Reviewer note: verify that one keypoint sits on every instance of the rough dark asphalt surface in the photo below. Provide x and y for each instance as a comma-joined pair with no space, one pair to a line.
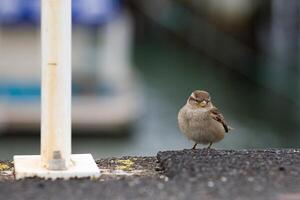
200,174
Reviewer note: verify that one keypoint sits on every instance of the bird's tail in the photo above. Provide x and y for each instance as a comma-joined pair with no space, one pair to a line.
230,128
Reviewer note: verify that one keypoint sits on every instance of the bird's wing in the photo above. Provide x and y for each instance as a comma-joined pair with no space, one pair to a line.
216,115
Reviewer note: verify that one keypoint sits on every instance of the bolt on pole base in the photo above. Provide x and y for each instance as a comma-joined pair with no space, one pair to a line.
30,166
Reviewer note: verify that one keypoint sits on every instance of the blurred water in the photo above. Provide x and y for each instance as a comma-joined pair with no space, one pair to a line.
168,74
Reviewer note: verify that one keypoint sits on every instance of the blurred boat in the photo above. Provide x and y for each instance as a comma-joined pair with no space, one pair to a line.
104,97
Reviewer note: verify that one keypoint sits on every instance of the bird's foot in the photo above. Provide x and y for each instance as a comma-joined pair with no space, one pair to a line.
208,149
194,147
209,146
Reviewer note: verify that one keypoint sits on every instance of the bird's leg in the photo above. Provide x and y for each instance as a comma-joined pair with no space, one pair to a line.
194,147
208,148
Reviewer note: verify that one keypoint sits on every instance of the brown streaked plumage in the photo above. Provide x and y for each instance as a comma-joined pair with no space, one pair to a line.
219,117
200,121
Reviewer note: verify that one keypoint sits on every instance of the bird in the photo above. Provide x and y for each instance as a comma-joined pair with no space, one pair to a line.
200,121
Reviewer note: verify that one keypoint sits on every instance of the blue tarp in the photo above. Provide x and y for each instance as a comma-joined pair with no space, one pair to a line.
85,12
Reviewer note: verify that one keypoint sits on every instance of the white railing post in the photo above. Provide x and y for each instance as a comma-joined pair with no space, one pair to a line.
56,84
56,160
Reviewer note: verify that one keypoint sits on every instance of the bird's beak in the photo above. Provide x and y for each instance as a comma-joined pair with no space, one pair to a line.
203,103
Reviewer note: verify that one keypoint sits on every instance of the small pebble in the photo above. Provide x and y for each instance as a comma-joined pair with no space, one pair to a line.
223,179
250,179
210,184
164,178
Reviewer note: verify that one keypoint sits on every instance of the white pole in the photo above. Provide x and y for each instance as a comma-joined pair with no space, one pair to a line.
56,160
56,84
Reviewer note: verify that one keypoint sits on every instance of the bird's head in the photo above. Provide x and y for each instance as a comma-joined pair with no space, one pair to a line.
199,99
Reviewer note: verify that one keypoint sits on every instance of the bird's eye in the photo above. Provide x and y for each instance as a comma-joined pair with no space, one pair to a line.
203,103
192,100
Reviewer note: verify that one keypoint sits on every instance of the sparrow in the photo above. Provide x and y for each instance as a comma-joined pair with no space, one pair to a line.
200,121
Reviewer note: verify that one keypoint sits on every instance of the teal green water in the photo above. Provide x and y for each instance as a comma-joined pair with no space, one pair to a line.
168,74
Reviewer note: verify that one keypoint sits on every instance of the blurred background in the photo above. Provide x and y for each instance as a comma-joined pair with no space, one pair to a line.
135,62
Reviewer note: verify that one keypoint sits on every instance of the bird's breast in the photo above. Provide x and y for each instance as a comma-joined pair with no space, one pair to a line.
199,127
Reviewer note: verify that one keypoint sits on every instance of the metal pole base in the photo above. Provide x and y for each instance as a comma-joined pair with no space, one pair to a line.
30,166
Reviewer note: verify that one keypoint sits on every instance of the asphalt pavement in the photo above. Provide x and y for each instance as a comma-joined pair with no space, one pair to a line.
175,175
